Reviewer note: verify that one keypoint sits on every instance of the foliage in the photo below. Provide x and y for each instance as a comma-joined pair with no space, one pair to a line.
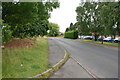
28,19
100,18
71,34
53,29
19,13
6,33
71,27
0,25
67,29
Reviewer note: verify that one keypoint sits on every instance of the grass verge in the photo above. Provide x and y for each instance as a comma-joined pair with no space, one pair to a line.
25,62
99,42
0,63
51,70
0,54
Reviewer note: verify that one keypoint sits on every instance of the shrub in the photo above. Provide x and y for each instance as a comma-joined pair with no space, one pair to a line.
6,34
71,34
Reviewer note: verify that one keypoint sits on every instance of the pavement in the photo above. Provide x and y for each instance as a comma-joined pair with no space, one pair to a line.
56,52
100,61
71,70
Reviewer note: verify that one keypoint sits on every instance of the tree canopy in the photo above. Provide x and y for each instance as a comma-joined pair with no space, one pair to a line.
102,18
53,29
27,18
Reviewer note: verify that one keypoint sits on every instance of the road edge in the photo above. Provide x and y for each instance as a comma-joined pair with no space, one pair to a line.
98,44
54,68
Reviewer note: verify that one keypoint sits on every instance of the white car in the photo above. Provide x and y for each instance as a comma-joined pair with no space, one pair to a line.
88,37
117,39
81,37
108,39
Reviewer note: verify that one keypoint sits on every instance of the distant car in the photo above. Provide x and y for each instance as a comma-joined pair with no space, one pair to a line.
117,39
81,37
108,39
100,38
88,37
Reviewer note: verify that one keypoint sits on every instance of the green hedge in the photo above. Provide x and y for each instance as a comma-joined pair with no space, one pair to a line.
71,34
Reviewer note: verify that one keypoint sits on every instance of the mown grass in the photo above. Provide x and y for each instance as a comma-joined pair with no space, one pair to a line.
0,63
61,36
25,62
99,42
48,74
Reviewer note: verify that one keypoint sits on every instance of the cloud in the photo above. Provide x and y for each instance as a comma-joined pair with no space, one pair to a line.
66,14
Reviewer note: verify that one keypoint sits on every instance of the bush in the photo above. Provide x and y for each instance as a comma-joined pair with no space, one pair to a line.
6,34
71,34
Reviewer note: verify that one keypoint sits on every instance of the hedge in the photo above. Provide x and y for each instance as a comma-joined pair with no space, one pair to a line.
71,34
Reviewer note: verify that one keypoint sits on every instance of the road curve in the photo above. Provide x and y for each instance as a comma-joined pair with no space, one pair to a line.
101,61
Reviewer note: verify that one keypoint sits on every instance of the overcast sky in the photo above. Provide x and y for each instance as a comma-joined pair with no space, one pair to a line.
66,14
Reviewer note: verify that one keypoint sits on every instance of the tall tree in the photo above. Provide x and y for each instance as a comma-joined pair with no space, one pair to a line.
53,29
28,18
16,14
67,29
98,17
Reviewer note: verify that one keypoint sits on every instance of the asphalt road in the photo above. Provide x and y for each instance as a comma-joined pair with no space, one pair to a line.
100,61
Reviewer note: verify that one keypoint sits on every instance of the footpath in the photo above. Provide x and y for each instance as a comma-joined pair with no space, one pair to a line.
56,53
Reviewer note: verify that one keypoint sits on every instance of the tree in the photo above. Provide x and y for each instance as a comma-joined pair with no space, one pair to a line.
100,18
109,19
17,14
28,19
67,29
53,29
83,28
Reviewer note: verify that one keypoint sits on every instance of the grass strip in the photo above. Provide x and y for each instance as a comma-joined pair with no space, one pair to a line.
99,42
50,71
25,62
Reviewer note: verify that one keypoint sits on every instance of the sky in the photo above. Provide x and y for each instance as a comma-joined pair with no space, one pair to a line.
65,14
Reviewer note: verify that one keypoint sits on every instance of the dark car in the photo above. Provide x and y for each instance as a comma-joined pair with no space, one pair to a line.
100,38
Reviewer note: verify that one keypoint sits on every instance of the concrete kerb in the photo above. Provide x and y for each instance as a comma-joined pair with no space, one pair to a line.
54,68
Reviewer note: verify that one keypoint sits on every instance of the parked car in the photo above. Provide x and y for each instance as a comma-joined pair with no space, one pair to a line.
100,38
81,37
108,39
117,39
88,37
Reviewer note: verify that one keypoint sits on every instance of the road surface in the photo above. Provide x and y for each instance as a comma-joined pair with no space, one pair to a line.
100,61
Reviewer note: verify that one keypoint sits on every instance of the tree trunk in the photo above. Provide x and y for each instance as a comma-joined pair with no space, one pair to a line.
95,37
102,39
